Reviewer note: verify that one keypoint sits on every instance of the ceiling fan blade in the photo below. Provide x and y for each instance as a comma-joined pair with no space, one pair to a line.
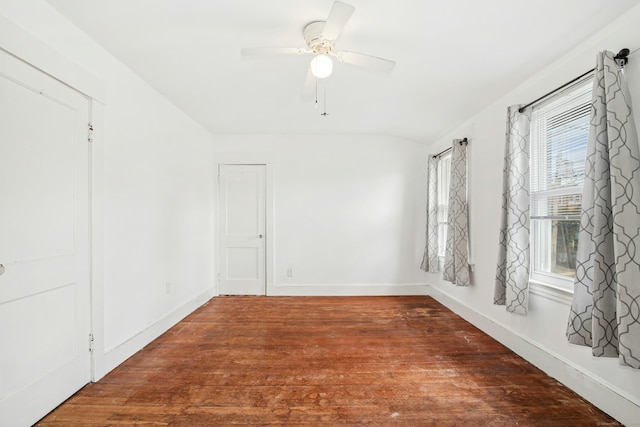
338,17
366,61
258,52
309,88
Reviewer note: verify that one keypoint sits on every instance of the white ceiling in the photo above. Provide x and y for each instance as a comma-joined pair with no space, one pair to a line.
453,57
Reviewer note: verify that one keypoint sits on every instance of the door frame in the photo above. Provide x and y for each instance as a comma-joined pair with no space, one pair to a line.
37,54
266,160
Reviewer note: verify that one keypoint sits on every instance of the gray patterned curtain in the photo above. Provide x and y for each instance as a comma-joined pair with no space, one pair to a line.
430,258
456,265
605,313
512,275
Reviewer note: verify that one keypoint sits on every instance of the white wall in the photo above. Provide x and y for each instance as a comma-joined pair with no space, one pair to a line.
344,211
156,174
544,327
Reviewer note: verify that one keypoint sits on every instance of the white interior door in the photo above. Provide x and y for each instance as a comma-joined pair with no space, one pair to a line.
44,243
242,229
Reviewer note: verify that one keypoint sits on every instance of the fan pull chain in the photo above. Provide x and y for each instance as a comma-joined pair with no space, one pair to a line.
316,106
325,114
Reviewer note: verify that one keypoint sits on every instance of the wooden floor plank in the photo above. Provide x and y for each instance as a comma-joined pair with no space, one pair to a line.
325,361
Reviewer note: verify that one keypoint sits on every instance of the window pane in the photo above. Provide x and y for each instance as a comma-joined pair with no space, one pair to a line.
443,213
566,142
442,238
558,149
444,171
560,238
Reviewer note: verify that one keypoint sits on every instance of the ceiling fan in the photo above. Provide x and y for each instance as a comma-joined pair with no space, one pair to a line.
320,37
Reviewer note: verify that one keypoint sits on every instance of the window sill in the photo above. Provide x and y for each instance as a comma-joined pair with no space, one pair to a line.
551,292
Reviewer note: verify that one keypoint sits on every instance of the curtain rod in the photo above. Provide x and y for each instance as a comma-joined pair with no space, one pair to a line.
622,56
462,141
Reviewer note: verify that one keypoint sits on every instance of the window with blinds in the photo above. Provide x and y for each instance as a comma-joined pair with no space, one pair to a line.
559,134
444,173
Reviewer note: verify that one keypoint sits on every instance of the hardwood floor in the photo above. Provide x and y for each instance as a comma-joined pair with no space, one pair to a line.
326,361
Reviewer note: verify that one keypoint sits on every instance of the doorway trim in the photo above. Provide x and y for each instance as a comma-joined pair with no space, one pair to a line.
266,159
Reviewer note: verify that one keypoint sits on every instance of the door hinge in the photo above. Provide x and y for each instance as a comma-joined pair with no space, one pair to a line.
218,278
90,134
91,340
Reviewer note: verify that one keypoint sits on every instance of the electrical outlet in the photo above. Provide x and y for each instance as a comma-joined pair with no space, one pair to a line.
290,272
168,287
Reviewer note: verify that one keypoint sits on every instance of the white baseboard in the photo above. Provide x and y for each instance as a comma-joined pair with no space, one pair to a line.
119,354
605,397
359,289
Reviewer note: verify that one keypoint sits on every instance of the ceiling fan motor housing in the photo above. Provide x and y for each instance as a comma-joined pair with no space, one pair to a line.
313,36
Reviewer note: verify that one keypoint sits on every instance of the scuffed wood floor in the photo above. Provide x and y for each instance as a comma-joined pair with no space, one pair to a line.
326,361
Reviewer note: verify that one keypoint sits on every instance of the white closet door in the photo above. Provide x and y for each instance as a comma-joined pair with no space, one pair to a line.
44,243
242,229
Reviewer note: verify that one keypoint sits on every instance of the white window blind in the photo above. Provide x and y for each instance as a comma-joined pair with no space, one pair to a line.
559,134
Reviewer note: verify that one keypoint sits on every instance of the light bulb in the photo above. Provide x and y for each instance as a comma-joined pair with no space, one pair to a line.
321,66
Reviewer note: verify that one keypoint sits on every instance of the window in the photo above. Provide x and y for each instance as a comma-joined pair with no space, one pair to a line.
444,172
559,134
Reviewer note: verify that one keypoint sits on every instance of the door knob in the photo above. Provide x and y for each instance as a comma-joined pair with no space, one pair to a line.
1,269
260,236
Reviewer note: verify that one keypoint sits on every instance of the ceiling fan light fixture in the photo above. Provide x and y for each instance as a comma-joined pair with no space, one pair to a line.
321,66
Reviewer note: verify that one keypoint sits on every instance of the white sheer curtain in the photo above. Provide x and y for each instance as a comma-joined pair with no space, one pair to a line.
456,264
605,313
430,257
512,275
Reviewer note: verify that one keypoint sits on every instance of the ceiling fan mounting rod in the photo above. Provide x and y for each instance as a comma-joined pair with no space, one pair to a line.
313,36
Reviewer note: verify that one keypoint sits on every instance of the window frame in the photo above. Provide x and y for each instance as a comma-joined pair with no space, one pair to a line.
443,166
549,284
